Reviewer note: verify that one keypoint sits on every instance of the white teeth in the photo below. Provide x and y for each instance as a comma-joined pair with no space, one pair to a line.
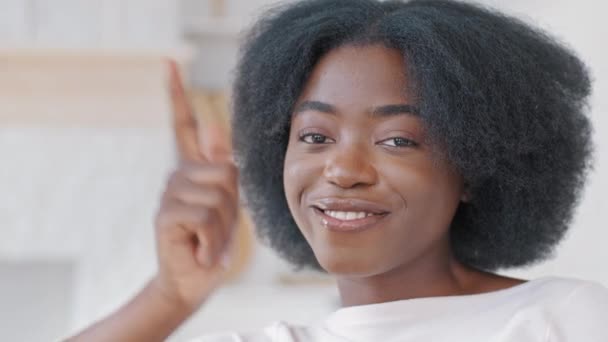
347,215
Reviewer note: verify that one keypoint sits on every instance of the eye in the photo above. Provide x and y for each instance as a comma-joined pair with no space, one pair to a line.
398,142
315,138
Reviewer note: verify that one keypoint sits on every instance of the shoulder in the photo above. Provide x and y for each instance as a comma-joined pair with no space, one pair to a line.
276,332
587,299
579,311
570,294
568,291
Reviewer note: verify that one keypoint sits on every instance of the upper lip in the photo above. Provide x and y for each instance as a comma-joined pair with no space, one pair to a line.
350,204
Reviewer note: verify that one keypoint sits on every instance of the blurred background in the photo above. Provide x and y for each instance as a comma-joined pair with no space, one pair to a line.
85,144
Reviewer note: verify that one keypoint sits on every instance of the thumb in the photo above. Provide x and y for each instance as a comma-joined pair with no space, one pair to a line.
216,143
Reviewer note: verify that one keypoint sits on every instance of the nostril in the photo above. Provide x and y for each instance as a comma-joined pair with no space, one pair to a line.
348,172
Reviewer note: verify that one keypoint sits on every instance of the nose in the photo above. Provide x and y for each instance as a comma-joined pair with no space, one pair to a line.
350,167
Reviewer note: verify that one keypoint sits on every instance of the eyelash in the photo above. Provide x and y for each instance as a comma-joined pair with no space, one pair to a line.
405,142
312,135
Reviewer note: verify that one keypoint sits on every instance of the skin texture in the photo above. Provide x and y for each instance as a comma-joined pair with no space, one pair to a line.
343,151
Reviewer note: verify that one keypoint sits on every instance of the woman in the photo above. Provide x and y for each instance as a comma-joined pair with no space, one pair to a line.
408,149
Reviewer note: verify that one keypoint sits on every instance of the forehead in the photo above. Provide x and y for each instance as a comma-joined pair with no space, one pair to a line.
358,75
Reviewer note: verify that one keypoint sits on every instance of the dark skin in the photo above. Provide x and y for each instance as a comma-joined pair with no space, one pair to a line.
355,136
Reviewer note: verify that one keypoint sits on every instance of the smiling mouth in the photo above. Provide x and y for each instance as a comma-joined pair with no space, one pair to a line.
347,215
349,221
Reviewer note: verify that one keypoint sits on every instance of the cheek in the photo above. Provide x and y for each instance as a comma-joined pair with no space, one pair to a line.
298,174
431,192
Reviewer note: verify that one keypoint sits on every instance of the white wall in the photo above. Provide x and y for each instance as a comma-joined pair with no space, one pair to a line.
48,310
89,23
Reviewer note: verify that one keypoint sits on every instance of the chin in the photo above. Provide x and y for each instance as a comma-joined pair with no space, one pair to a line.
344,266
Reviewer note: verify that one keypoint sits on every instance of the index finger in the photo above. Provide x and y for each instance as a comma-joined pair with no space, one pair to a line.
184,123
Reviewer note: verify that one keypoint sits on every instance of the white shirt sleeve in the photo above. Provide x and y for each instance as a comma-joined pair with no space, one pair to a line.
582,316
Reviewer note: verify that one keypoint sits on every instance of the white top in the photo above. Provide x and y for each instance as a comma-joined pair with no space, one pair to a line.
548,309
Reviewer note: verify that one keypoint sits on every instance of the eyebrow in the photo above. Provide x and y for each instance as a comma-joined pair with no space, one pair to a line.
381,111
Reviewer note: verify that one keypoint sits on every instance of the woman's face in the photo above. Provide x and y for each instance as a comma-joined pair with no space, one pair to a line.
360,180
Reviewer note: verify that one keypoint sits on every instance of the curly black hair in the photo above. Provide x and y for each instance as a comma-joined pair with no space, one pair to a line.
504,101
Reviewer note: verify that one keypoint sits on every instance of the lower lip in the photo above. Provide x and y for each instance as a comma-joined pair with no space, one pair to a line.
355,225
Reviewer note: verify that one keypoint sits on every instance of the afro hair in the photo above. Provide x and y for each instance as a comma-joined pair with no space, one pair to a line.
505,102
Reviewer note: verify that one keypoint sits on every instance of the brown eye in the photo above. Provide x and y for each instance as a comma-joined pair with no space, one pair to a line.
314,138
399,142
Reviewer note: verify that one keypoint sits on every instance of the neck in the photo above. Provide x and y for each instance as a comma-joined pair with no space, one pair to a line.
428,276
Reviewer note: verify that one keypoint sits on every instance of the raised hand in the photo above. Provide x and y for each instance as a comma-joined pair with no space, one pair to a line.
194,227
198,211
